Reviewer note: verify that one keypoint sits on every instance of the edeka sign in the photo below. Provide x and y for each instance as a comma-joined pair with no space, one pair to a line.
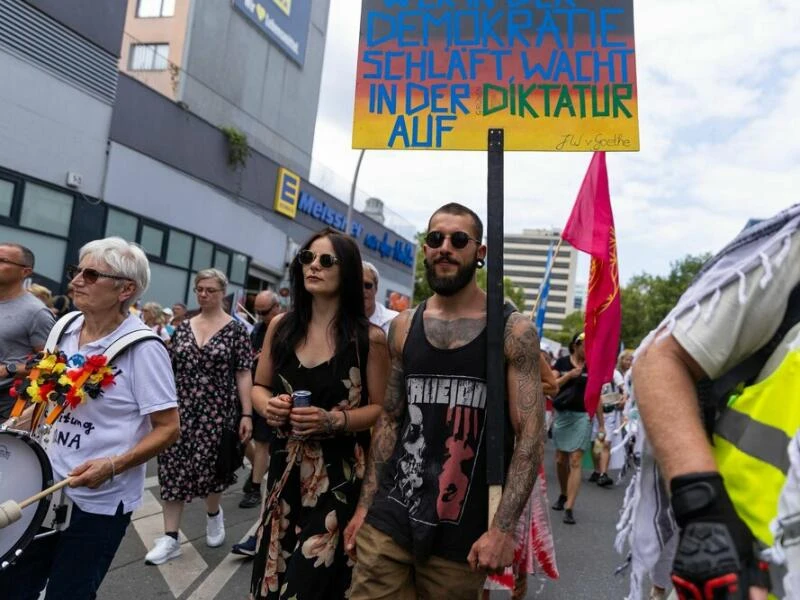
284,21
400,251
557,75
287,190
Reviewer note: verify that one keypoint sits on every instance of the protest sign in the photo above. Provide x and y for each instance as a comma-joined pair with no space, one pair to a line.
556,75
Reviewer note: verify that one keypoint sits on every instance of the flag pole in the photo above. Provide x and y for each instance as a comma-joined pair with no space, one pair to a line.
495,356
541,285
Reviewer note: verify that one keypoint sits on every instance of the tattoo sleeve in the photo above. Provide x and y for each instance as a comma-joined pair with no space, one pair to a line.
526,398
384,435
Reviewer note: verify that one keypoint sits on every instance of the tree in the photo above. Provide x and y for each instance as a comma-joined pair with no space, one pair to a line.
422,290
571,324
647,299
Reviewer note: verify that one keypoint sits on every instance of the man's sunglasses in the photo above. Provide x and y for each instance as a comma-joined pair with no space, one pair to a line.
264,313
91,275
326,261
368,285
5,261
459,239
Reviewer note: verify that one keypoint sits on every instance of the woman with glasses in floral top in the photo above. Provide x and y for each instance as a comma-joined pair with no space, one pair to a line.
325,345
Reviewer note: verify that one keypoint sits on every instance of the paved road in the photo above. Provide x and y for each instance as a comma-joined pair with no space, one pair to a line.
585,556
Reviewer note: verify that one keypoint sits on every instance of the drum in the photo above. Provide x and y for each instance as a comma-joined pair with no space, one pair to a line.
24,471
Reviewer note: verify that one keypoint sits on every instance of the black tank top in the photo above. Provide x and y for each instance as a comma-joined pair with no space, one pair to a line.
432,497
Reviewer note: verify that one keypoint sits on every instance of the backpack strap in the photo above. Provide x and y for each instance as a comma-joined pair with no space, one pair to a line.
714,394
58,330
128,340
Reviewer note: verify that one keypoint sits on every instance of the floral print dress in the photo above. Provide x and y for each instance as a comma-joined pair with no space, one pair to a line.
300,553
208,401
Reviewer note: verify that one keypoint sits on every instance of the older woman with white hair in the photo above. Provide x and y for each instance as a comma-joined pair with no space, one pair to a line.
376,312
212,359
104,442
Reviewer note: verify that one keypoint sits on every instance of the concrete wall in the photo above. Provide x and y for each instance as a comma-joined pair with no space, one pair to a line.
152,189
237,76
49,127
99,21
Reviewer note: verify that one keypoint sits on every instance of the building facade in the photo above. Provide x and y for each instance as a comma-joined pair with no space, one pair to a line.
255,65
524,262
91,152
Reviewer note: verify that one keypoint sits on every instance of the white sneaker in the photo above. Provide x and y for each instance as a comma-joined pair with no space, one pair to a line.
164,549
215,530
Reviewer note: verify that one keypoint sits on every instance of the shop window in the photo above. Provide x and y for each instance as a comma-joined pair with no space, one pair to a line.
148,9
6,197
49,251
121,224
222,261
46,210
152,240
148,57
179,249
239,268
202,255
167,285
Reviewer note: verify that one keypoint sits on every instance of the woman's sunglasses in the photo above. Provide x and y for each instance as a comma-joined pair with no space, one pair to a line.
91,275
459,239
326,261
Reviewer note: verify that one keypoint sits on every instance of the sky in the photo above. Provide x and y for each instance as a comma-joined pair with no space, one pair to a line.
718,88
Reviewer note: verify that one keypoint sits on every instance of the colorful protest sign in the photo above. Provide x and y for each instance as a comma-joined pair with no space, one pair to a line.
556,75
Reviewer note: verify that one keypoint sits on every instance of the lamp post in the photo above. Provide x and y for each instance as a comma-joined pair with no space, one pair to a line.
353,193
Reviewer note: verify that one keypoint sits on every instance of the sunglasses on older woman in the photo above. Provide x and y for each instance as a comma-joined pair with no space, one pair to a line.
326,261
92,275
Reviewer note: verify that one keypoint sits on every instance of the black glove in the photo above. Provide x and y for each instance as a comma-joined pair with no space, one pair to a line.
716,557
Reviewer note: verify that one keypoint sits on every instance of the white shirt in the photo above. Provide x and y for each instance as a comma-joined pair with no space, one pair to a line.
114,422
382,317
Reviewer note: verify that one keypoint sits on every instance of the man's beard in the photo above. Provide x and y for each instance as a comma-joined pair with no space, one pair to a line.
450,285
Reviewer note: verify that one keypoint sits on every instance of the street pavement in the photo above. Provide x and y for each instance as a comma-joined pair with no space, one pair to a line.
585,556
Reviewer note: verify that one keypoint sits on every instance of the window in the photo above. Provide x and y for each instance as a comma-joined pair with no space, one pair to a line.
167,285
46,210
202,255
6,197
221,261
121,224
152,240
49,251
155,8
148,57
239,268
179,250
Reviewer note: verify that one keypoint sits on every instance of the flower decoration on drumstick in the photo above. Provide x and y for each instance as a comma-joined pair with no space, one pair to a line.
64,381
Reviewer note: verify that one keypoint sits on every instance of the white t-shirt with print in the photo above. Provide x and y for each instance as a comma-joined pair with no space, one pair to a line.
114,422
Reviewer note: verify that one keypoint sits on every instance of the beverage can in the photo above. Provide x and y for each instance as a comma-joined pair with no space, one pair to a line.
301,399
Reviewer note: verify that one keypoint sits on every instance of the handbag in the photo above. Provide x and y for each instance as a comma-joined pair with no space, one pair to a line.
230,455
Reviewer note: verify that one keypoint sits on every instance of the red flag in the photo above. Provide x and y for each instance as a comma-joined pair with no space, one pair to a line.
590,228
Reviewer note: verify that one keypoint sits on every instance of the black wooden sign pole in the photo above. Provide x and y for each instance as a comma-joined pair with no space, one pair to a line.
495,369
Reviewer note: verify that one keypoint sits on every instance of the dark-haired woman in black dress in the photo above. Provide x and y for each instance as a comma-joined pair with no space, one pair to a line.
325,345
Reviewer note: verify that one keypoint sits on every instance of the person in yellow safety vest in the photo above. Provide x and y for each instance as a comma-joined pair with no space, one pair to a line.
738,316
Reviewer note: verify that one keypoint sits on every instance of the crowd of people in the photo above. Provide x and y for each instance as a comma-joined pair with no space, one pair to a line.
365,429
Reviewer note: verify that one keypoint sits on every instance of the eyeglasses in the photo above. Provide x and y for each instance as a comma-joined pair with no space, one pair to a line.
368,285
326,261
459,239
200,290
264,313
91,276
5,261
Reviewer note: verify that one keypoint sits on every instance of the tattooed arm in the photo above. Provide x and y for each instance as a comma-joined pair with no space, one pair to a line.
495,549
387,429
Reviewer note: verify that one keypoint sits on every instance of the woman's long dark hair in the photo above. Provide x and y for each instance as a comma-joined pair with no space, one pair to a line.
351,321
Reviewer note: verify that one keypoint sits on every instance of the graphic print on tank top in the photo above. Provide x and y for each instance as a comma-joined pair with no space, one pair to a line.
441,445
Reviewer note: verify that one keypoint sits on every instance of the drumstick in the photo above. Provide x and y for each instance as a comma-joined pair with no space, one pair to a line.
11,512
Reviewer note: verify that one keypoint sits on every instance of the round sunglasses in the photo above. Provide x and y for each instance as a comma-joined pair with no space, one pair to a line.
92,275
326,261
458,239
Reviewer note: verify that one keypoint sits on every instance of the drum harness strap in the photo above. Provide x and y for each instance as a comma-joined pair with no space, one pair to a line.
117,347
